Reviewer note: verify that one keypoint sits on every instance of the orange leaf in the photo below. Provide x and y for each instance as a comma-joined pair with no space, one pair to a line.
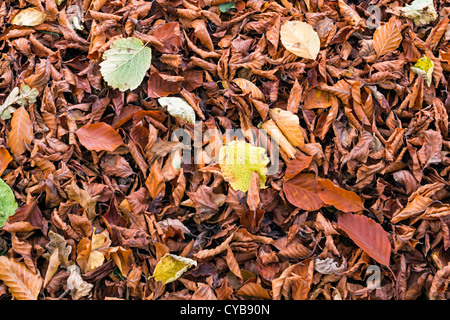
155,181
301,192
368,235
5,159
99,136
22,283
341,199
250,88
387,37
290,126
21,131
252,289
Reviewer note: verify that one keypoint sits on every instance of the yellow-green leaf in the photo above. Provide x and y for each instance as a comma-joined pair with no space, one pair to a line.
238,160
424,67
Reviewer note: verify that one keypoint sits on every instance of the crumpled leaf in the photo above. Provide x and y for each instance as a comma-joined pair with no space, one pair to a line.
8,204
179,108
422,12
300,38
125,63
171,267
23,96
329,266
58,243
83,198
77,286
238,159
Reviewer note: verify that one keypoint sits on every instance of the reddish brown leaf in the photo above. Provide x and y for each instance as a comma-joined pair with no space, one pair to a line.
368,235
99,137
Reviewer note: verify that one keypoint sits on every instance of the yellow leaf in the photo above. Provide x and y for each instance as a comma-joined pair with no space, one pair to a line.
29,17
171,267
238,160
300,38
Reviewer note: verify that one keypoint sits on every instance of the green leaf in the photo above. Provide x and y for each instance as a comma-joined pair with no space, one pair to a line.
225,7
8,205
125,63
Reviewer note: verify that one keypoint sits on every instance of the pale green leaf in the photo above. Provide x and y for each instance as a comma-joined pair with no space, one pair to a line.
8,203
227,6
179,108
422,12
125,63
23,96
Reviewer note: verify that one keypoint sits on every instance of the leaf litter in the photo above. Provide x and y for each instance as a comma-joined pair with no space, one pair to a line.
324,150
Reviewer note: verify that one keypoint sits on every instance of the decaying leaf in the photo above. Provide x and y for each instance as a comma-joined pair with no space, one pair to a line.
77,286
422,12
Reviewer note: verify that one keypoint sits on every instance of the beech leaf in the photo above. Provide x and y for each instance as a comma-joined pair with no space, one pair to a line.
238,160
171,267
300,38
368,235
8,205
99,137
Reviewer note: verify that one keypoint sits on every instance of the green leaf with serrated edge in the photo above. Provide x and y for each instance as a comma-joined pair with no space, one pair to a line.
8,205
125,63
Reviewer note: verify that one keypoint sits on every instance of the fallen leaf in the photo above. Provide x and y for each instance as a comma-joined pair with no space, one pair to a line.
29,17
99,137
300,38
22,283
125,63
171,267
368,235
